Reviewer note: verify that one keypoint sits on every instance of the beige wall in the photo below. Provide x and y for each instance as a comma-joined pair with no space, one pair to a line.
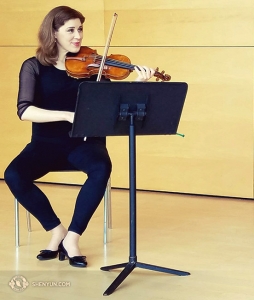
208,44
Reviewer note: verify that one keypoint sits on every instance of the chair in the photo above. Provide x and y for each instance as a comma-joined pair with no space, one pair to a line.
107,216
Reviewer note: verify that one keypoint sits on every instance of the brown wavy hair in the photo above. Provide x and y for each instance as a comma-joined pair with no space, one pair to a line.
47,51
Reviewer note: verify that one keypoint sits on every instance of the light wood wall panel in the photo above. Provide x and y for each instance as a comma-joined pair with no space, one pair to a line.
182,23
208,44
205,44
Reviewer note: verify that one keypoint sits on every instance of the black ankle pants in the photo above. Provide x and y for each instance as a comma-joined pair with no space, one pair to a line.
40,157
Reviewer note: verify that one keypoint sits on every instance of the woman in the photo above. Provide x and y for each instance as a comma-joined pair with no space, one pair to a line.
47,98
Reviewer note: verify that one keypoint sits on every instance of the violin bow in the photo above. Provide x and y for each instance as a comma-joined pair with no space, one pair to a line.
113,22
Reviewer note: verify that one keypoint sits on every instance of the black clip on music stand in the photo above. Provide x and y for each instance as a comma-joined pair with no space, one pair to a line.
103,109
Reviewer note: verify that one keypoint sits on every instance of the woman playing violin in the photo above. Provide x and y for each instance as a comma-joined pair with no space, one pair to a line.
46,97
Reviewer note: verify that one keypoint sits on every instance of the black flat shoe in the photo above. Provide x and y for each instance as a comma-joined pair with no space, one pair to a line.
47,254
75,261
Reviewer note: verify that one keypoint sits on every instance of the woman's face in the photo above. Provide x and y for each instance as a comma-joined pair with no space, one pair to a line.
69,36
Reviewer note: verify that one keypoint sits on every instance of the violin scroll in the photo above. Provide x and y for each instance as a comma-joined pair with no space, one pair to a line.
161,76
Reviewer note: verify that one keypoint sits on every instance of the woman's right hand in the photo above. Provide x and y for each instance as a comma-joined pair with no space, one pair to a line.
69,116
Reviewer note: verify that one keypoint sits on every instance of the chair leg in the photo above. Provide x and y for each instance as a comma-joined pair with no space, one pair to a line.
107,212
28,221
16,212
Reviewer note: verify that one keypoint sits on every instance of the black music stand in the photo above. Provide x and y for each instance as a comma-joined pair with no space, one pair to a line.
129,108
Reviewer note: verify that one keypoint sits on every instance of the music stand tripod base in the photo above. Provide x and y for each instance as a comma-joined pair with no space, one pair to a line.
129,267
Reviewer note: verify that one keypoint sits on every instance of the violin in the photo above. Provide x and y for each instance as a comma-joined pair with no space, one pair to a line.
87,62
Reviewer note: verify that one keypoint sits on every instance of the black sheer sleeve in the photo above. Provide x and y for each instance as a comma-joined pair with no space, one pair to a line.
27,84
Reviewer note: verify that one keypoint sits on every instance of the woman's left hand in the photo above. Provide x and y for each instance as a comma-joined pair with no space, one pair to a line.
144,73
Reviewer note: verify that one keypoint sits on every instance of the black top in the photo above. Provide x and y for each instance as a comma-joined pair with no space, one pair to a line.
49,88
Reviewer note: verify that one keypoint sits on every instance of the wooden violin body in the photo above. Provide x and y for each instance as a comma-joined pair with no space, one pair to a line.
86,63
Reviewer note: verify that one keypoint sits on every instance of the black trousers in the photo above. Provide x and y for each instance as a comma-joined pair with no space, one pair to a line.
40,157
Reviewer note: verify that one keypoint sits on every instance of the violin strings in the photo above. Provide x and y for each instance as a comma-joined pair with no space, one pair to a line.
117,63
